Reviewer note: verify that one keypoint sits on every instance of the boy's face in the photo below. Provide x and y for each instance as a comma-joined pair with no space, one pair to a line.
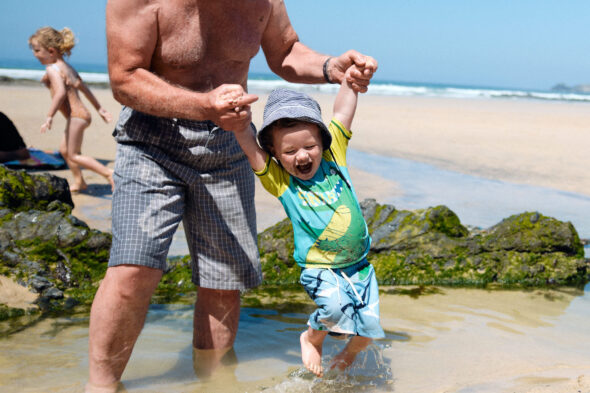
299,149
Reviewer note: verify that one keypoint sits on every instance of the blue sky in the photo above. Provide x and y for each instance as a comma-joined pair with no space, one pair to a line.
497,43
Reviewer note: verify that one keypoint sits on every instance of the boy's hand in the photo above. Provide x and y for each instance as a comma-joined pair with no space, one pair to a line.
356,74
230,107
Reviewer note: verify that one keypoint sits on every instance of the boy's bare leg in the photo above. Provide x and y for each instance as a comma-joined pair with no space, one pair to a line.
345,358
311,350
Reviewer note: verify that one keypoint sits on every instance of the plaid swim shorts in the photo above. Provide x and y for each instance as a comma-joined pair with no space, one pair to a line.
168,170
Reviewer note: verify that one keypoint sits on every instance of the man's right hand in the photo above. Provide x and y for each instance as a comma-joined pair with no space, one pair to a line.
230,107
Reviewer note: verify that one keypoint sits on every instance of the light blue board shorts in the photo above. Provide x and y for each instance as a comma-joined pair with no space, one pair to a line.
347,299
168,170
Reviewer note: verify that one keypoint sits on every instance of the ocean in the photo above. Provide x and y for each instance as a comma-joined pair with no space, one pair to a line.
259,82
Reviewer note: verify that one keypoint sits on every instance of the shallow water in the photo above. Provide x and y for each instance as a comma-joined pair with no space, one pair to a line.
438,340
476,200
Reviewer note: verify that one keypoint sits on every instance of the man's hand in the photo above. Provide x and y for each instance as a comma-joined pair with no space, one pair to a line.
360,76
230,107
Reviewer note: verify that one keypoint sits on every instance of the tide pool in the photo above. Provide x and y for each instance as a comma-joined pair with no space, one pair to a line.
517,341
478,201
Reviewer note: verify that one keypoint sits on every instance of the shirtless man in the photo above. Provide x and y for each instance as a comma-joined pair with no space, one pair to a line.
175,66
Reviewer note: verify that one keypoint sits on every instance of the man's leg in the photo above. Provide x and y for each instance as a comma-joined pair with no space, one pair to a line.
116,319
217,313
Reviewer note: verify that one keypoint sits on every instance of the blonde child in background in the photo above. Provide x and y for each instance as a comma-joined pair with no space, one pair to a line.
50,46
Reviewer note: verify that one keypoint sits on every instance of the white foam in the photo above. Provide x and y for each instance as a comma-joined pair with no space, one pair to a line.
38,74
376,88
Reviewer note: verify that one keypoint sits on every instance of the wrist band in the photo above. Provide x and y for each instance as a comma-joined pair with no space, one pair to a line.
326,75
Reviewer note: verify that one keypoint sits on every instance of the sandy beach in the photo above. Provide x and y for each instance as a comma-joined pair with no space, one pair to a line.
532,142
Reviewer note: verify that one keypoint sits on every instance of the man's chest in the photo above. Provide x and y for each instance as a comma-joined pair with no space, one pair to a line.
190,36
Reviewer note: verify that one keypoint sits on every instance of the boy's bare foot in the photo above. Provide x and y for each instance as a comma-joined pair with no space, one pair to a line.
311,355
346,357
343,360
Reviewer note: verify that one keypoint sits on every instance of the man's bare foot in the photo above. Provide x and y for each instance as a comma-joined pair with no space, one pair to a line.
114,388
311,355
207,361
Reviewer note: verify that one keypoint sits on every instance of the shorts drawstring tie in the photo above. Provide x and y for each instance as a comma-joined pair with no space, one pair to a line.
360,299
353,289
337,285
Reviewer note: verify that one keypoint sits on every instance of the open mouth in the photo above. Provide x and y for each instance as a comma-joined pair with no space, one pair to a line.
306,168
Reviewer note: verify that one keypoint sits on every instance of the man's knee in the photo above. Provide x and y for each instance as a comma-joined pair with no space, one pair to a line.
131,281
218,301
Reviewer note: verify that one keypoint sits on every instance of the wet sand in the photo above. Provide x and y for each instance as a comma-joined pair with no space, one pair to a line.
450,341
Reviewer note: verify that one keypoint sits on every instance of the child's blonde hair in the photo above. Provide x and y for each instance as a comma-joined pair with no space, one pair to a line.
63,41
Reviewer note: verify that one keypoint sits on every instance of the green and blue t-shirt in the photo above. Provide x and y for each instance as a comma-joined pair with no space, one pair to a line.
328,224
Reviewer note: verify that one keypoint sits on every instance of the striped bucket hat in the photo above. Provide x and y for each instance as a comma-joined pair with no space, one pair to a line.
289,104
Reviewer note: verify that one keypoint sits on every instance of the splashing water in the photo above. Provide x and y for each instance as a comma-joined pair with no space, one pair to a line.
370,372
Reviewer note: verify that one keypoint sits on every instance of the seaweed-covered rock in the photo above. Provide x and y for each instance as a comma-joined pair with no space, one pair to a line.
22,191
44,248
431,246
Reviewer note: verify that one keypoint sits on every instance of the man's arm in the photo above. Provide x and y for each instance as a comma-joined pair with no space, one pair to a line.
293,61
132,35
345,102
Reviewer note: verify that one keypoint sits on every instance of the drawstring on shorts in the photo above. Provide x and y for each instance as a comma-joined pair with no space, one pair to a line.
360,299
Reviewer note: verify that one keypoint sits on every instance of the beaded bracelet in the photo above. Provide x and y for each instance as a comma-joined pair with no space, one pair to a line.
326,75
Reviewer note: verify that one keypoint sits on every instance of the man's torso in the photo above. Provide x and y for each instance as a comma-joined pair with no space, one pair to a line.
203,44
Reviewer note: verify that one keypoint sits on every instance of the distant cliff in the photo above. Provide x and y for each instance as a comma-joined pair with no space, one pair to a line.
563,88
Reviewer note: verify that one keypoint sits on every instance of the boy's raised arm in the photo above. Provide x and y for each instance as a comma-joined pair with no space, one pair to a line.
345,102
256,156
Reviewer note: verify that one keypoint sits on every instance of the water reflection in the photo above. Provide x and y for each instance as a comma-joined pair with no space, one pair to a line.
476,200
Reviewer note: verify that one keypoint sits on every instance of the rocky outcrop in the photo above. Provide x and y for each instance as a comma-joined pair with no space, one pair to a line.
563,88
431,246
43,247
53,255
